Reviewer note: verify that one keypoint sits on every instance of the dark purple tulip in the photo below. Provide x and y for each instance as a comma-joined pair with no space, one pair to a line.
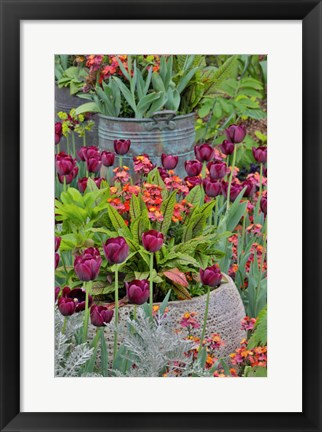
82,184
87,265
137,291
107,158
66,306
57,258
227,147
57,291
217,170
250,188
101,316
122,146
78,295
193,167
169,162
152,240
204,152
193,181
58,132
235,190
116,250
263,204
93,164
212,187
211,276
163,173
98,181
68,178
236,133
64,163
57,243
88,152
260,154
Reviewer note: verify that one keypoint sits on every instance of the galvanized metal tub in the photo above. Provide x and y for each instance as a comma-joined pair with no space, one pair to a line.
164,132
64,101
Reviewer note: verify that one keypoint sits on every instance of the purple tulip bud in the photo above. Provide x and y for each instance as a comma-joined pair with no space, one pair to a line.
211,276
212,187
152,240
87,265
217,170
163,173
250,188
101,316
137,291
64,163
193,168
116,250
260,154
122,146
68,178
263,204
82,183
236,133
66,306
88,152
57,243
235,190
78,295
57,291
193,181
227,147
58,132
108,158
57,258
204,152
93,164
169,162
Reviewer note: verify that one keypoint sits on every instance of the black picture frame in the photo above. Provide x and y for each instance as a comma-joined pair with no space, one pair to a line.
12,12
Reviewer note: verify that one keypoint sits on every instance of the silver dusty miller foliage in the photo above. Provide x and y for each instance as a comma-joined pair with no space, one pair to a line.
154,348
69,358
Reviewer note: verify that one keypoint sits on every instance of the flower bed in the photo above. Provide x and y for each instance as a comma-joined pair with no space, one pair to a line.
141,258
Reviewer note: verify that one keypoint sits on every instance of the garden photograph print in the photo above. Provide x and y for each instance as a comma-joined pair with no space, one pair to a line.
160,215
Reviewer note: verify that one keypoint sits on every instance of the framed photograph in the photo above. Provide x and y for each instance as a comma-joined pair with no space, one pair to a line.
160,261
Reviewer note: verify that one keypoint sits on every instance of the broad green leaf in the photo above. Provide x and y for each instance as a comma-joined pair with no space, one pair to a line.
117,220
87,107
167,211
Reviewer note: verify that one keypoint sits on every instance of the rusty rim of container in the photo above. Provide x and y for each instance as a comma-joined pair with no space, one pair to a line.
145,120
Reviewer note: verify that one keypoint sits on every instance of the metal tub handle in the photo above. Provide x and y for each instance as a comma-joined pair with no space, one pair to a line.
162,120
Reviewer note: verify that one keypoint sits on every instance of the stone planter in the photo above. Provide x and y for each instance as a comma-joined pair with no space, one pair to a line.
163,133
226,310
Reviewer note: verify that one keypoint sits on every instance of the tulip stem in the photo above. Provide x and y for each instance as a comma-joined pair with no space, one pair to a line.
231,176
116,312
260,181
84,139
203,172
67,143
58,148
204,321
216,211
121,161
151,283
74,145
243,232
64,186
88,287
64,326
